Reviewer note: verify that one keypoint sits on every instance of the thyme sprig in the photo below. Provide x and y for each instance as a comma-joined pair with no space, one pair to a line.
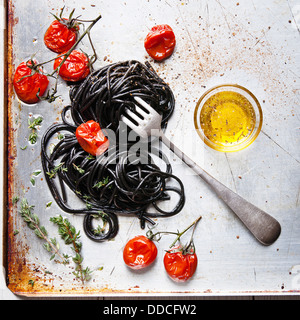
101,183
52,173
70,236
15,200
33,222
100,229
32,125
80,170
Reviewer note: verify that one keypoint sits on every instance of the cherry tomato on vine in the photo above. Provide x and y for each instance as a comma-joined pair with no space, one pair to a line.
61,35
160,42
28,82
75,68
180,266
91,138
139,252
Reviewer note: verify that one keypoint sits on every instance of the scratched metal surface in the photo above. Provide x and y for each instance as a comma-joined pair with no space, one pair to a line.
252,43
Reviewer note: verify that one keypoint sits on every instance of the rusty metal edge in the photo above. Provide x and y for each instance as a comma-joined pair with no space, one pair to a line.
5,139
7,149
9,154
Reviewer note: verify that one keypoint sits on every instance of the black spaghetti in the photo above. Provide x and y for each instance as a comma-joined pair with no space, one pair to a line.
118,182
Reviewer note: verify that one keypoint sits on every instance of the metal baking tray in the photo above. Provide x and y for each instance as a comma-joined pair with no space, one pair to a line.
251,43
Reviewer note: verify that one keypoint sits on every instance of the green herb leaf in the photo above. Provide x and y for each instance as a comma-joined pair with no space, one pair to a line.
70,236
60,136
52,173
90,157
81,171
15,200
89,206
31,282
33,126
102,183
33,223
33,137
48,204
36,122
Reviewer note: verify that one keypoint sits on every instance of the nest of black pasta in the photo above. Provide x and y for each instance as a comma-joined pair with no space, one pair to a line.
118,182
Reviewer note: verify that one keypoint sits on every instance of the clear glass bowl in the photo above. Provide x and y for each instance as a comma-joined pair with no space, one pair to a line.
228,110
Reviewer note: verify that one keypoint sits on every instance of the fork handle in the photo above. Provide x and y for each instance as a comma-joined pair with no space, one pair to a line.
265,228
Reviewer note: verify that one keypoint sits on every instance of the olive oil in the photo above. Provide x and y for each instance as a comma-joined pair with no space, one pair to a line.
227,118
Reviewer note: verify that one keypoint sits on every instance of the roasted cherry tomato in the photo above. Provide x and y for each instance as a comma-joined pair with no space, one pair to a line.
75,68
179,266
160,42
91,138
139,252
61,35
33,82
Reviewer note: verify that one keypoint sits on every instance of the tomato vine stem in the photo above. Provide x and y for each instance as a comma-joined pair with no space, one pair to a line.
66,55
194,224
157,236
35,66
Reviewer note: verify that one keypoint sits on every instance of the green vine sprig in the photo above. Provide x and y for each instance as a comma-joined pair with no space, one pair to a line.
70,236
59,168
33,222
32,125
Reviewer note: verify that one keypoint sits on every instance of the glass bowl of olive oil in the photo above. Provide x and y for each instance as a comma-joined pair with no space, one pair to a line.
228,117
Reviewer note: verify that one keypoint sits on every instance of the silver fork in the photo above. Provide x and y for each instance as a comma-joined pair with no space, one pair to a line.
265,228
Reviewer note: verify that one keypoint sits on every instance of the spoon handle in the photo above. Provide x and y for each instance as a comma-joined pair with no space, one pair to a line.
264,227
